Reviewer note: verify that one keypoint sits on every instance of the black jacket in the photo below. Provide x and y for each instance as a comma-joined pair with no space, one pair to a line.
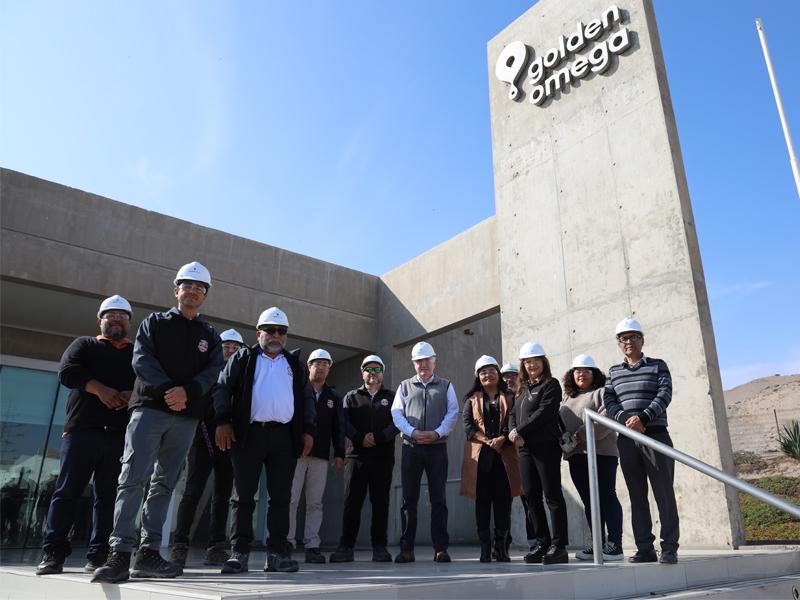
170,351
89,358
330,425
363,415
233,396
535,414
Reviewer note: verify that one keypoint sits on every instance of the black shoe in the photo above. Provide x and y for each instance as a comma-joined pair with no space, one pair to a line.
93,563
342,554
51,564
500,546
612,552
237,563
536,553
555,555
486,547
314,556
216,555
644,556
177,554
149,564
441,556
281,563
585,554
668,557
405,556
380,554
115,569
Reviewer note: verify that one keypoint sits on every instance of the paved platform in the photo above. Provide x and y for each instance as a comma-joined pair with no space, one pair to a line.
464,578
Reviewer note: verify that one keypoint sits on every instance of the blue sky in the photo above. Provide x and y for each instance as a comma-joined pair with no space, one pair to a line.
330,128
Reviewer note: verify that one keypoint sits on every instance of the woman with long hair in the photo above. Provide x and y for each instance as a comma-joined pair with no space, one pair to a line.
535,430
490,470
583,388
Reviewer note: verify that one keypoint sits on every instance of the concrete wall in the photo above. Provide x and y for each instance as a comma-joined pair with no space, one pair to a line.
596,224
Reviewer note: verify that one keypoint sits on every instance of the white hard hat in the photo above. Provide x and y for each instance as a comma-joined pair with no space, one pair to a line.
628,324
319,354
372,358
509,368
583,361
422,350
231,335
484,361
531,350
193,271
115,302
273,316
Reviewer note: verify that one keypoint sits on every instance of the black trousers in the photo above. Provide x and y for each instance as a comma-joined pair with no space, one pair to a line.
362,476
610,508
431,460
201,461
540,468
638,466
492,493
85,453
271,448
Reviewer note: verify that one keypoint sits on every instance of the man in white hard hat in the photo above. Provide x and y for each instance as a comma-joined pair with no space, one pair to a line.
266,415
311,471
510,374
637,394
176,357
369,466
205,457
98,372
425,410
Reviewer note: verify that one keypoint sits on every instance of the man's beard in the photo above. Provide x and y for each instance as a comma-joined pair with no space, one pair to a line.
268,346
113,331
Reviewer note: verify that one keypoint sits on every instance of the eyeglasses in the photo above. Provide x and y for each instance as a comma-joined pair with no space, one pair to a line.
633,337
275,330
113,315
372,369
486,372
193,287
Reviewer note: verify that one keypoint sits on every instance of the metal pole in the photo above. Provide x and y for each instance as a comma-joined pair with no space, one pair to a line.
784,123
594,495
697,465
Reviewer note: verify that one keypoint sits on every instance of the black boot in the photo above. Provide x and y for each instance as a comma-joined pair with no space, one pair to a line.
486,545
501,546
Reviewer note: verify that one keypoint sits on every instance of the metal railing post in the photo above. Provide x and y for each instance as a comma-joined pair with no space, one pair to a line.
594,495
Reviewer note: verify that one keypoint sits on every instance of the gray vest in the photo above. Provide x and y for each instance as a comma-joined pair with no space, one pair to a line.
426,405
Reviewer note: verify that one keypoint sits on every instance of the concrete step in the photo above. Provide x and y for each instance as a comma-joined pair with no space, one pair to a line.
464,578
786,587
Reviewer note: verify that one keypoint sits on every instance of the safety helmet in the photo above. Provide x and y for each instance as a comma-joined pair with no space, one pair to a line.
583,361
193,271
484,361
509,368
273,316
115,302
372,358
422,350
319,354
628,324
531,350
231,335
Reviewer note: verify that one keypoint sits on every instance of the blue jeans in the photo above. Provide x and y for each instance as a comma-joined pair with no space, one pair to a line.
156,444
85,452
610,508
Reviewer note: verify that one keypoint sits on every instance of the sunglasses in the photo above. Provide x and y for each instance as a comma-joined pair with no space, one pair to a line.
274,330
373,369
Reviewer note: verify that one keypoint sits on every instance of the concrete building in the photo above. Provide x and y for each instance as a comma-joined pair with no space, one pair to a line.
589,181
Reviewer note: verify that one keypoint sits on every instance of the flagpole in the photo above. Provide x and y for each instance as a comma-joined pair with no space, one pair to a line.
784,123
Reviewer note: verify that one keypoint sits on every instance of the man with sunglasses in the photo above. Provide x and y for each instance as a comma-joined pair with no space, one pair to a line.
370,462
98,372
177,357
266,416
637,394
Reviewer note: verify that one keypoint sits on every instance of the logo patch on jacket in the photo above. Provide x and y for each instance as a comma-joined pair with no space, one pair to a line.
202,345
330,403
385,402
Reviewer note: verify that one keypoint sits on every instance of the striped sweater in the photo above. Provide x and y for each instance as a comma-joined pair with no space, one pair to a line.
643,389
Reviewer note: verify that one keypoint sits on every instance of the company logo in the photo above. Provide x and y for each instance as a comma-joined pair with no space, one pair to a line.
330,403
551,71
202,345
384,402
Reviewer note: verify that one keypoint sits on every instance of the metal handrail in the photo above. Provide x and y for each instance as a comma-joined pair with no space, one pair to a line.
690,461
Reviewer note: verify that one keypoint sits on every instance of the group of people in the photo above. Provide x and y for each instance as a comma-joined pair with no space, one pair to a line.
181,394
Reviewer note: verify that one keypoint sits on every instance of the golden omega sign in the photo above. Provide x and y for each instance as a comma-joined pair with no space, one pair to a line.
568,61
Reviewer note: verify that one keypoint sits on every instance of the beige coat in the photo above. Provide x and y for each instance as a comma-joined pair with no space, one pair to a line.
472,449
